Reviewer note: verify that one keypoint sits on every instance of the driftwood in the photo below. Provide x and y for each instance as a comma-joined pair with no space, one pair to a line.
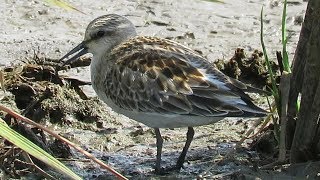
306,80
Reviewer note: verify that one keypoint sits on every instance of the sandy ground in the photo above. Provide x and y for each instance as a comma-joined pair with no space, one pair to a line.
218,28
215,29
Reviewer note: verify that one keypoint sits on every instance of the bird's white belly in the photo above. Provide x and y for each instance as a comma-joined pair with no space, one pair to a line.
157,120
169,121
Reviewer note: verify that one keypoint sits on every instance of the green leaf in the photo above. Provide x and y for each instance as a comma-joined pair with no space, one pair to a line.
25,144
285,58
215,1
271,73
63,5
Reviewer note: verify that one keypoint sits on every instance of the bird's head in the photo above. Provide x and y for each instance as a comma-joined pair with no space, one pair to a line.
102,34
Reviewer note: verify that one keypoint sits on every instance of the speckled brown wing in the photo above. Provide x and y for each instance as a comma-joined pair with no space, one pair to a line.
158,75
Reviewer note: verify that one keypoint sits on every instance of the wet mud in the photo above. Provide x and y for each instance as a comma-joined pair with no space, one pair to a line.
227,34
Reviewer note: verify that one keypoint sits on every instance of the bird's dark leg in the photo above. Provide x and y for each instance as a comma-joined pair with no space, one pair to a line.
183,154
159,150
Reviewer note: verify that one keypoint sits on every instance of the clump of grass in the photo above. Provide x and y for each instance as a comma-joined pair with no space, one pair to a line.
285,60
280,93
274,89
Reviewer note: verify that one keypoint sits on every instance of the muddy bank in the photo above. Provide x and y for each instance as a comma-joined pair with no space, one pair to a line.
213,29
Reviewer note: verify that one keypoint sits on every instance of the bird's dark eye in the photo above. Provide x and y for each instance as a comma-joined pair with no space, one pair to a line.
100,33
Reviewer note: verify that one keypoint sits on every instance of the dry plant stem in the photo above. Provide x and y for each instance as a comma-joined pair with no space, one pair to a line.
284,94
272,165
69,159
7,153
232,151
28,121
41,97
224,175
266,121
294,167
251,131
29,160
279,58
2,80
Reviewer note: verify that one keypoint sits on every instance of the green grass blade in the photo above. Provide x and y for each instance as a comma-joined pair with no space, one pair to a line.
215,1
25,144
273,81
285,58
63,4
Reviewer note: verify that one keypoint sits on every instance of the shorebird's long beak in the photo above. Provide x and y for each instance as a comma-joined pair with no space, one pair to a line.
80,50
